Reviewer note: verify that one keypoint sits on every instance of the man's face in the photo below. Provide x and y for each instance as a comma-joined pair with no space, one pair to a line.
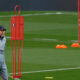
2,33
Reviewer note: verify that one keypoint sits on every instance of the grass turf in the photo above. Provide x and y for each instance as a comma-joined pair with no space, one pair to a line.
42,54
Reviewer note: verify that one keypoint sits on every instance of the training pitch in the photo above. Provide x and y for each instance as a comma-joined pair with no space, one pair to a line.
43,30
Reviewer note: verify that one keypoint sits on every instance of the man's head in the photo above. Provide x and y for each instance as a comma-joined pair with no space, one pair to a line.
2,31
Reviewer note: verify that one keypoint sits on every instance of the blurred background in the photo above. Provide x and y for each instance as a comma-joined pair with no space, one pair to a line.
30,5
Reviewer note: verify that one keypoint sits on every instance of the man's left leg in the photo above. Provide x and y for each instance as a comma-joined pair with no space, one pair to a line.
4,74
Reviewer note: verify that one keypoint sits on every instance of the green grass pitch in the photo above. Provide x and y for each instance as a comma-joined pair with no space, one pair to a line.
41,35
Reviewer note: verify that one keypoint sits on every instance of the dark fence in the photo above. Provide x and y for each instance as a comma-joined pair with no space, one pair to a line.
28,5
68,5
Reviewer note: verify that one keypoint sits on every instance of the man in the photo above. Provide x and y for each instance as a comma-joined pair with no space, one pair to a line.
3,68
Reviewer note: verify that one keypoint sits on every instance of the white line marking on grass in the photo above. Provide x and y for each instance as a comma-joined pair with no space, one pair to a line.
10,76
47,39
40,71
49,13
46,13
36,14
